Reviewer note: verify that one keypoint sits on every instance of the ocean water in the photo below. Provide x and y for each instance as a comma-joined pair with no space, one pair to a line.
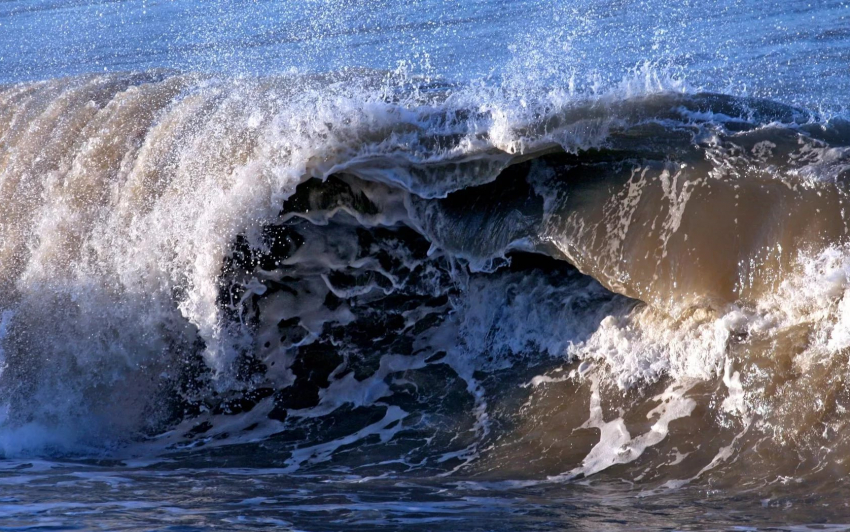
427,265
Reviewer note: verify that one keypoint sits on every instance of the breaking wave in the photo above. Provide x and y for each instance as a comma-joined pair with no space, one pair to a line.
348,274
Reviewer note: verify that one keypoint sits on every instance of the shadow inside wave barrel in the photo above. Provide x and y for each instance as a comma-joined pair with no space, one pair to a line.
372,352
369,350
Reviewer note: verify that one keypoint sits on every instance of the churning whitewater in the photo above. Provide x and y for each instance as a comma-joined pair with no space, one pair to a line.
192,262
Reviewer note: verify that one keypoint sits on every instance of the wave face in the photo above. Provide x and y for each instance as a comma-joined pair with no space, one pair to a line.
342,277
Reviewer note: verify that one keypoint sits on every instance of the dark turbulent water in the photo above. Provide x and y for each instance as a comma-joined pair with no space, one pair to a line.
429,266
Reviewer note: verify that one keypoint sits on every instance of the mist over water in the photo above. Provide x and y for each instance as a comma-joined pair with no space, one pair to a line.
373,265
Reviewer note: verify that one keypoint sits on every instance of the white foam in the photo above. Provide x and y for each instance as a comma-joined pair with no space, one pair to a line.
616,445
